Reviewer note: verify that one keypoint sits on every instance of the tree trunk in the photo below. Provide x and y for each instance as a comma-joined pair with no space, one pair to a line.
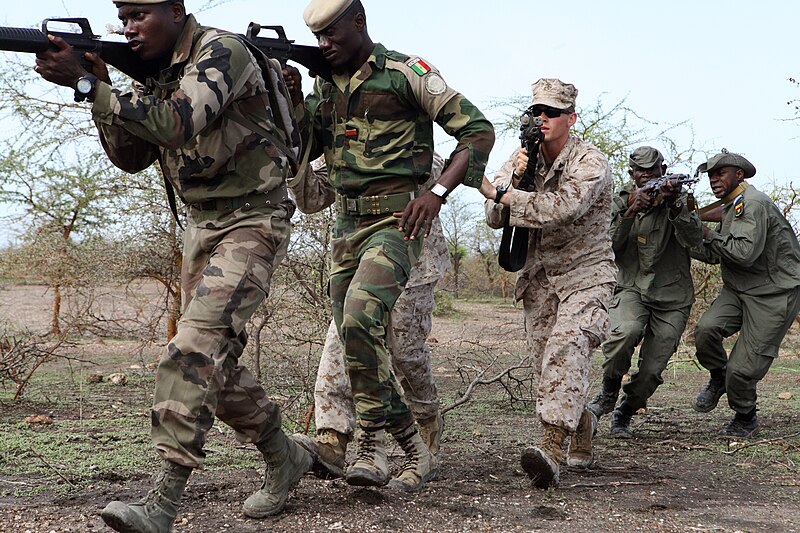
56,310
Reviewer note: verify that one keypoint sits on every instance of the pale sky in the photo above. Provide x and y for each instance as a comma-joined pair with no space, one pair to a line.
720,65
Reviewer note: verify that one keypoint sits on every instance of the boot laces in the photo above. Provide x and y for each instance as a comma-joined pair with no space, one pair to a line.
367,445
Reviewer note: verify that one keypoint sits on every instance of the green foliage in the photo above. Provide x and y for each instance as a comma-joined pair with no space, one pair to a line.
444,305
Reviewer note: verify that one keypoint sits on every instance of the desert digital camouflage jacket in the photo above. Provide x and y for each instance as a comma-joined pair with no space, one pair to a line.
650,258
570,213
754,244
185,119
376,128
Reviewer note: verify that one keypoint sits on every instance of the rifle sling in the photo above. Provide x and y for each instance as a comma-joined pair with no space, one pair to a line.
728,197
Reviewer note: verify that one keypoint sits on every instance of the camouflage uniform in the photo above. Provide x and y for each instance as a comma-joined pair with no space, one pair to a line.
376,132
569,275
410,320
652,300
759,257
233,181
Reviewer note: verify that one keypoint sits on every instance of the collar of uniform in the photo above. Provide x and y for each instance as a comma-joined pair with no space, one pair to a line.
561,159
378,56
183,47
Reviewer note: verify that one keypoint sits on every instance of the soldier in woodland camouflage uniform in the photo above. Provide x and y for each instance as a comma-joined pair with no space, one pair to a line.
569,275
759,258
232,175
653,297
374,124
410,326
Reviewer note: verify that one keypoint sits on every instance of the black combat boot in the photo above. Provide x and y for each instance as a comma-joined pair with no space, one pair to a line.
621,422
741,426
606,399
708,398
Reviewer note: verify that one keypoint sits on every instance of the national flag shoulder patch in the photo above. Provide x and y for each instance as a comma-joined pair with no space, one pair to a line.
419,66
738,206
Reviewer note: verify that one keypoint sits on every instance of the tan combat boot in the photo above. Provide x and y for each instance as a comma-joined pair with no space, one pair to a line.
419,465
370,468
157,511
542,462
329,448
430,429
579,453
286,461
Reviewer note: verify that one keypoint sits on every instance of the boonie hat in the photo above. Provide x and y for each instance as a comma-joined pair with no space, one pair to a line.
728,159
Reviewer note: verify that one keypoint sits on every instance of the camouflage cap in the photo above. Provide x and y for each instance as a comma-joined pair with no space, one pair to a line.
118,2
728,159
320,14
554,93
645,157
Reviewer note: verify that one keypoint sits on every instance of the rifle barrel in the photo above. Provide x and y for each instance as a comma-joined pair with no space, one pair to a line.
25,40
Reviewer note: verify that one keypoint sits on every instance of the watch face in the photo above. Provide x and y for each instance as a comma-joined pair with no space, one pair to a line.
84,86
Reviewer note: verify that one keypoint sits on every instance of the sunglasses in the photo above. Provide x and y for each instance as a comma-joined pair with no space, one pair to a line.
549,112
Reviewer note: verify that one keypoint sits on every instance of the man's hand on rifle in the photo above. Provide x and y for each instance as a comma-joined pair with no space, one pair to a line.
520,163
62,67
294,82
639,200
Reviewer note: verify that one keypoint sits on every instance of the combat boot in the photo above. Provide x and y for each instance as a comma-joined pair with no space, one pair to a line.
741,426
329,448
541,463
430,429
157,511
370,468
580,453
708,398
286,461
606,399
419,465
621,422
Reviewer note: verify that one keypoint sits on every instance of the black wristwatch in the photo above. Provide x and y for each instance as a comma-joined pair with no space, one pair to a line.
85,87
500,190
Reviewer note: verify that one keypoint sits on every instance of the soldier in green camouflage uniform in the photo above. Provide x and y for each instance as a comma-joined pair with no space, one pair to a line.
653,297
231,172
374,124
759,257
334,412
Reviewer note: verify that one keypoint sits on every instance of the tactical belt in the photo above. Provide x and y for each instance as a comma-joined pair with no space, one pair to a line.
271,198
373,205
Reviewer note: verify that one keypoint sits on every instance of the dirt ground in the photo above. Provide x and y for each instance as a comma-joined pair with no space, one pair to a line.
674,476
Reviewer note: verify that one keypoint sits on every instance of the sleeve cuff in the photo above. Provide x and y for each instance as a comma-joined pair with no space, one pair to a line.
104,103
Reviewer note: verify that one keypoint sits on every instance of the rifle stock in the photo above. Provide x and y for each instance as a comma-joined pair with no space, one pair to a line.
120,56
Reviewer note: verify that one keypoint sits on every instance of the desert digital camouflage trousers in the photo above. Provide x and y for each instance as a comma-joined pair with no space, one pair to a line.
411,360
225,276
371,266
561,337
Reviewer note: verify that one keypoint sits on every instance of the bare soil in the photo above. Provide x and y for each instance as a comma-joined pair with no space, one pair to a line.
674,476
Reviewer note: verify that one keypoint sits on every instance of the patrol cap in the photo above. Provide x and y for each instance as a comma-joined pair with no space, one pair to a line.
320,14
728,159
554,93
118,2
645,157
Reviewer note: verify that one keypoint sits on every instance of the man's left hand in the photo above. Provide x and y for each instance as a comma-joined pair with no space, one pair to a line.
59,66
419,213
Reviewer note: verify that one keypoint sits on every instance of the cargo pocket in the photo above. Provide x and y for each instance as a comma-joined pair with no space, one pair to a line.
594,324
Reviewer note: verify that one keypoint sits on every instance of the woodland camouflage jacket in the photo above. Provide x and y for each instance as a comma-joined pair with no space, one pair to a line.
185,119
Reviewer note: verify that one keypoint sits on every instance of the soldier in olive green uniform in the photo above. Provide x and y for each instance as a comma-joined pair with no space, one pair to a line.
374,124
653,297
759,256
214,119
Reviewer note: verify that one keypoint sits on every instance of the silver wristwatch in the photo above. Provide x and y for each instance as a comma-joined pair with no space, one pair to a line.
440,191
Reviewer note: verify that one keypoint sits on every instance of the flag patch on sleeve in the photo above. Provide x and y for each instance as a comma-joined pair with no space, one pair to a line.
738,206
419,66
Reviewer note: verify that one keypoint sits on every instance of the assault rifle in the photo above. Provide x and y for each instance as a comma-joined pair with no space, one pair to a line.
120,55
653,186
514,242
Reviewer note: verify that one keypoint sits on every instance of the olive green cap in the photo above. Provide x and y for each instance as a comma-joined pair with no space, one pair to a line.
728,159
320,14
118,2
645,157
554,93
